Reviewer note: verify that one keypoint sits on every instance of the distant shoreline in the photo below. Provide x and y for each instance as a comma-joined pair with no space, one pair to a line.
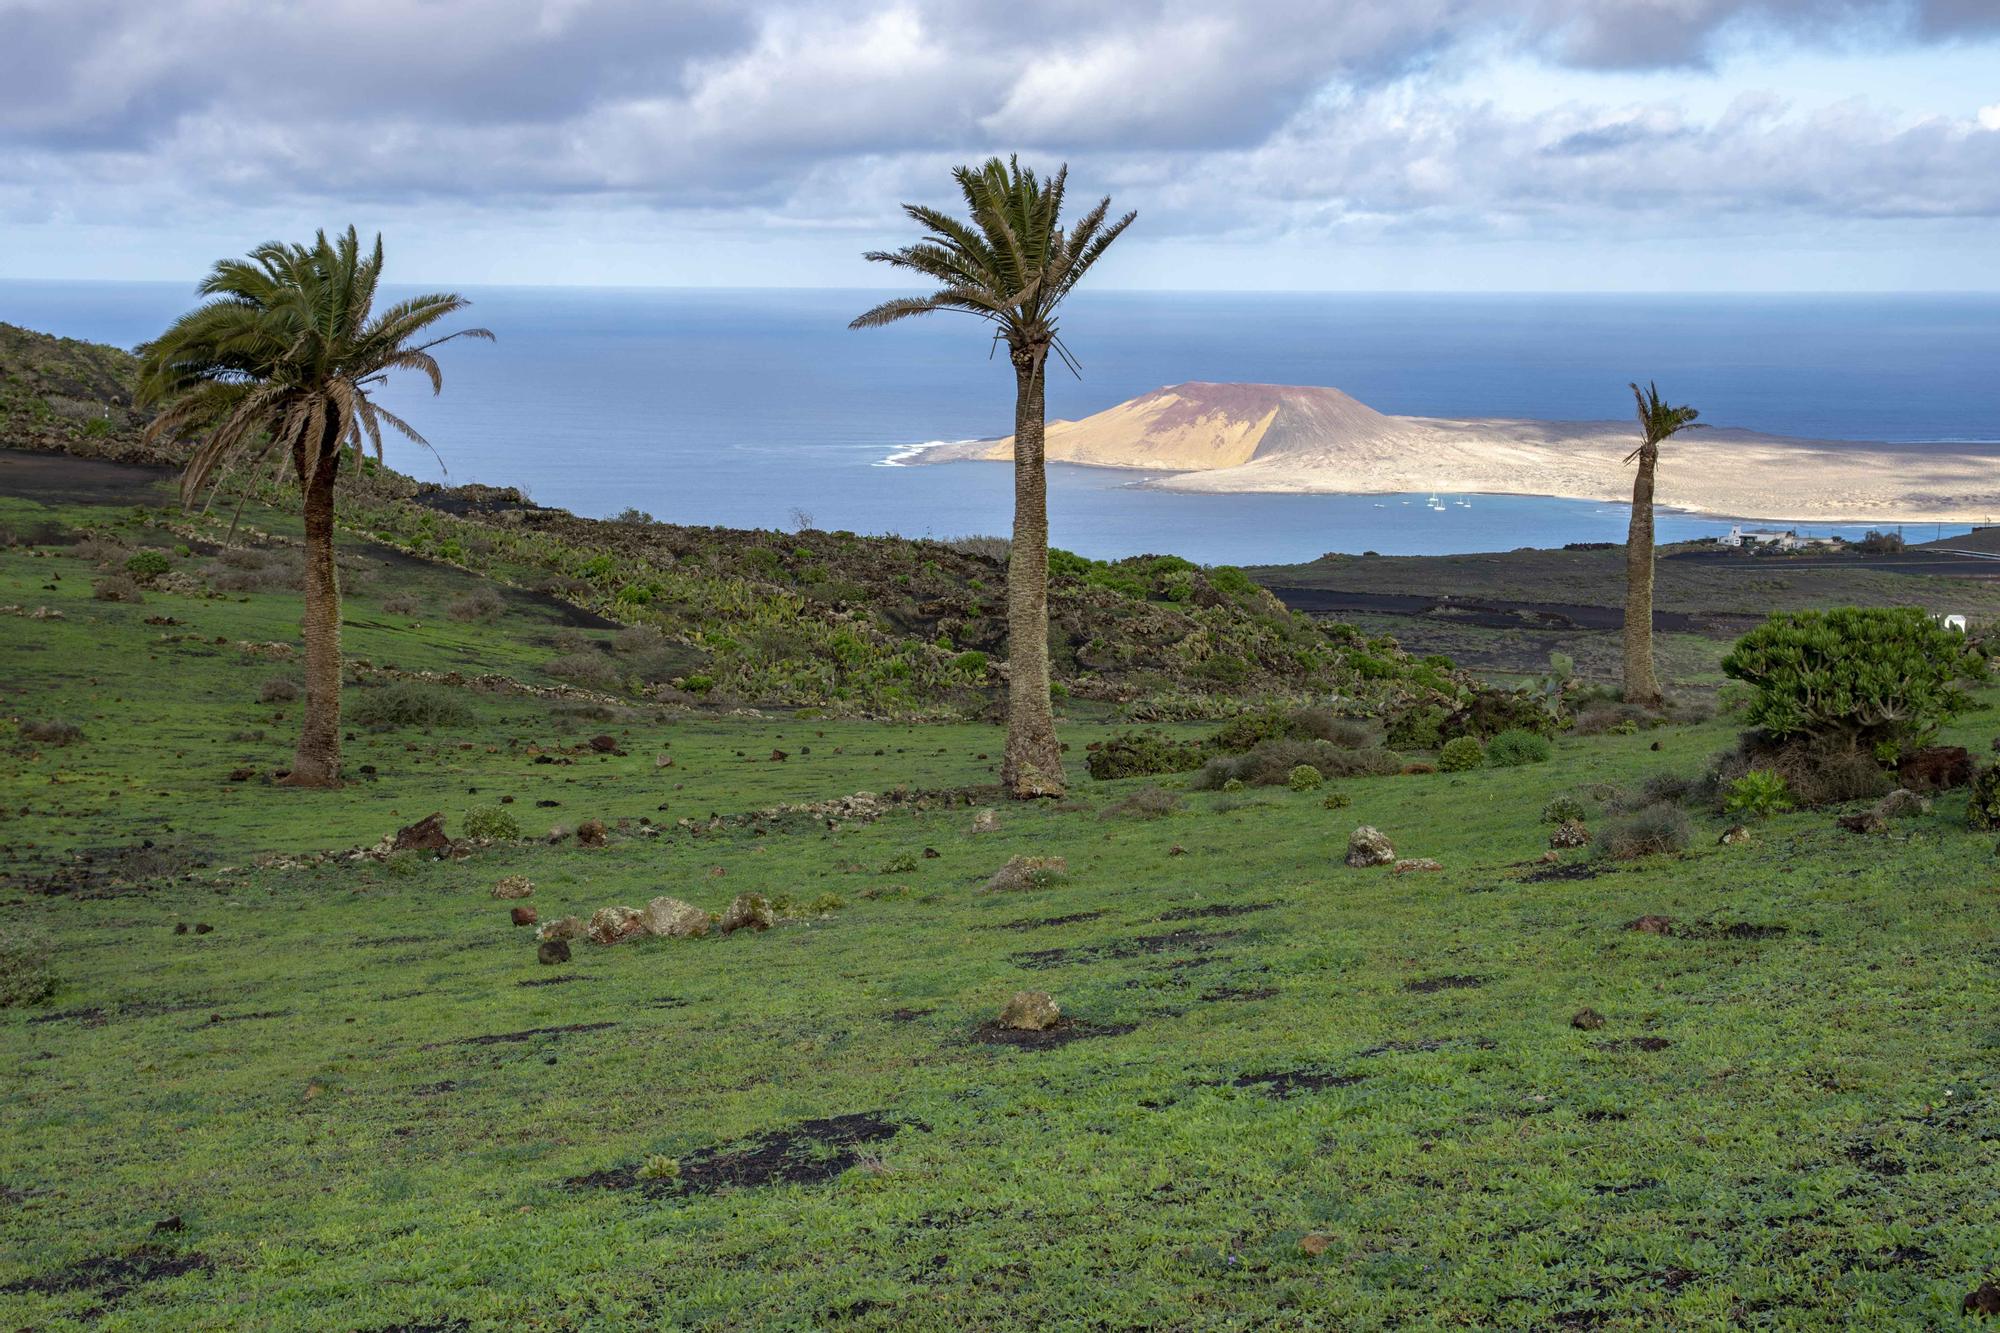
1723,473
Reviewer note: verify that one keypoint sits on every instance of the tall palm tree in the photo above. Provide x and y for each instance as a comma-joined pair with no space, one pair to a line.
1658,422
277,370
1011,262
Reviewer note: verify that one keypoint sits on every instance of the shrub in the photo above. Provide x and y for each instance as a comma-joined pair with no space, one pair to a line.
402,604
1564,808
116,588
1461,754
1815,775
592,670
1304,778
409,703
1136,754
1233,785
279,690
1335,800
1319,724
495,822
26,976
1145,803
478,606
1417,728
1490,712
1607,716
1271,763
1653,831
1511,749
51,731
1982,810
971,664
1028,872
1759,794
1853,678
146,566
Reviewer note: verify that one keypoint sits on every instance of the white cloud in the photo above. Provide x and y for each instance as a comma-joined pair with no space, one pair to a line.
1989,117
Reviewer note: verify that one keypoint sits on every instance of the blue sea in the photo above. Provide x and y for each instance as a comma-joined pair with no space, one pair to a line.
738,407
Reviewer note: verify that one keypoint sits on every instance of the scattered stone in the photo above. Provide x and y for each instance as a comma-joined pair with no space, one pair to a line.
604,744
1587,1020
1367,846
1570,833
180,927
1983,1299
590,833
1734,835
986,821
550,952
749,911
1935,768
779,756
426,835
523,916
202,928
1868,822
609,925
932,853
1652,925
663,761
1548,858
672,919
1031,1011
242,774
1414,864
1315,1243
562,928
514,886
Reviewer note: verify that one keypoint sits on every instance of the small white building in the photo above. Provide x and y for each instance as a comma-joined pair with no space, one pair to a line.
1762,537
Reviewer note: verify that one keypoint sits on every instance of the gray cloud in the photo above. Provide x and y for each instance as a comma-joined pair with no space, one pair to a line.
1319,113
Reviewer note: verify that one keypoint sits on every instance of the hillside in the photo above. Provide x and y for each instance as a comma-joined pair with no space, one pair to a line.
1292,439
291,1077
62,394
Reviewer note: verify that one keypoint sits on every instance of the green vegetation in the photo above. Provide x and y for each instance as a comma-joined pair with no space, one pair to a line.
267,1069
1759,794
1461,753
1858,678
1517,746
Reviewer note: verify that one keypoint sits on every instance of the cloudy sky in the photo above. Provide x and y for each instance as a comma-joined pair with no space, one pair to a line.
1373,144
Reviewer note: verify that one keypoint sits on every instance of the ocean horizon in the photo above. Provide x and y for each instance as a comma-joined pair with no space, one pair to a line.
755,407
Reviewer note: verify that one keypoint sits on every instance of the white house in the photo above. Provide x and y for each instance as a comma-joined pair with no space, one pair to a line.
1771,537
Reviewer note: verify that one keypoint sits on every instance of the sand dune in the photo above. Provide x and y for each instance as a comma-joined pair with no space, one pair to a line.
1283,438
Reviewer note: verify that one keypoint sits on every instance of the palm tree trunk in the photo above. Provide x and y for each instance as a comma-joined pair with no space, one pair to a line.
1642,687
316,763
1032,765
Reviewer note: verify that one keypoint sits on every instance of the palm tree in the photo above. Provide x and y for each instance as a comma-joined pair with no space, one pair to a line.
1011,263
1658,422
276,370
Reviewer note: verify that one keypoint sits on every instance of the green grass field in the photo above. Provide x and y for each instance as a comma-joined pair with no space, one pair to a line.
1288,1094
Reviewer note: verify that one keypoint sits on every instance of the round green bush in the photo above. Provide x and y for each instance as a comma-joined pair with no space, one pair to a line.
1562,809
1461,754
1304,778
1511,749
1233,784
1336,800
491,821
147,565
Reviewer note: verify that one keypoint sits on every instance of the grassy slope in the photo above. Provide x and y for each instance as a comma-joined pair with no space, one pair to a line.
303,1089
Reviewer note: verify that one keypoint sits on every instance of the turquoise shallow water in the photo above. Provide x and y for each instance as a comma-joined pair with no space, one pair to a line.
736,407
